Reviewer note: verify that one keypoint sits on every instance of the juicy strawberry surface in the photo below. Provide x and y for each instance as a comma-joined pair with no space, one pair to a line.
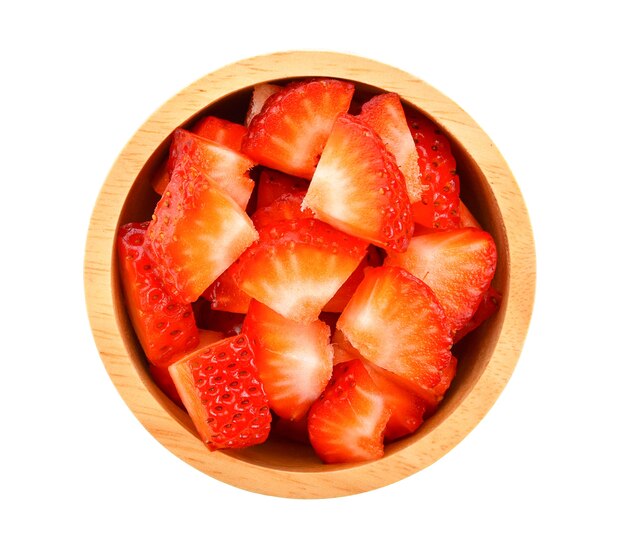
196,232
164,325
488,306
347,423
286,207
273,184
438,206
395,321
297,266
295,360
225,294
221,131
384,113
220,388
458,265
358,188
290,131
223,167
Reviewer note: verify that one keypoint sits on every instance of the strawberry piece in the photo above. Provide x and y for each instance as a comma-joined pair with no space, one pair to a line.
295,360
286,207
225,294
260,93
160,178
384,113
439,203
273,184
164,325
290,131
488,306
296,267
458,265
466,218
340,299
395,321
220,130
225,168
163,380
220,388
347,423
196,232
358,188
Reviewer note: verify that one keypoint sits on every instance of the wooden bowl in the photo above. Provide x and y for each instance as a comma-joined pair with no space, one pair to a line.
486,358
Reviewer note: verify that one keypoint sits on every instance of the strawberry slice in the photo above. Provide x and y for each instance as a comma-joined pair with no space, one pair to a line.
297,266
164,325
466,218
273,184
395,321
358,188
220,130
384,113
287,207
295,360
225,294
488,306
260,93
347,423
458,265
290,131
438,206
225,168
220,388
196,232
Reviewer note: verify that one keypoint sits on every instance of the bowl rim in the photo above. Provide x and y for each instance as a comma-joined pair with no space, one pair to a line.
173,431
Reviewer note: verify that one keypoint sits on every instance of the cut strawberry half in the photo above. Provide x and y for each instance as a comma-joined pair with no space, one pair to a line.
488,306
347,423
295,360
196,232
220,130
438,206
358,188
164,325
384,113
290,131
273,184
395,321
296,267
458,265
287,207
223,167
260,93
220,388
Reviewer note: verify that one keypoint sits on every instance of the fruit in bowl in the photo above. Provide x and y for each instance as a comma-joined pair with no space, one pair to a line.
299,255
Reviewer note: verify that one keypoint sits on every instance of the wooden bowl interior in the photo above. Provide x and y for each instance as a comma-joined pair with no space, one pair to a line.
473,352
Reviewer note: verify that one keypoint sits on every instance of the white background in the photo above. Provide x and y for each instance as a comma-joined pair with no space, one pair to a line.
543,79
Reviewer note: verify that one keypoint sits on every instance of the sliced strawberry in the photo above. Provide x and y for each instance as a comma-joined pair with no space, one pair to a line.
273,184
290,131
340,299
287,207
466,218
164,325
260,93
196,232
458,265
160,178
358,188
295,360
439,204
384,113
296,267
220,388
395,321
488,306
346,424
225,168
225,294
220,130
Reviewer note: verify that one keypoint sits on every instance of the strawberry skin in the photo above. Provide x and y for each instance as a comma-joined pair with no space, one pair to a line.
220,130
295,360
358,188
438,206
220,388
346,424
196,232
290,131
297,266
458,265
164,325
395,321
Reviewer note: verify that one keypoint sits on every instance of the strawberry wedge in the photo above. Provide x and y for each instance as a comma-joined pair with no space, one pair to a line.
358,188
297,266
290,131
220,130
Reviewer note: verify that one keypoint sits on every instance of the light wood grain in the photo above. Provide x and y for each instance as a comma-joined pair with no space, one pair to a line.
487,359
